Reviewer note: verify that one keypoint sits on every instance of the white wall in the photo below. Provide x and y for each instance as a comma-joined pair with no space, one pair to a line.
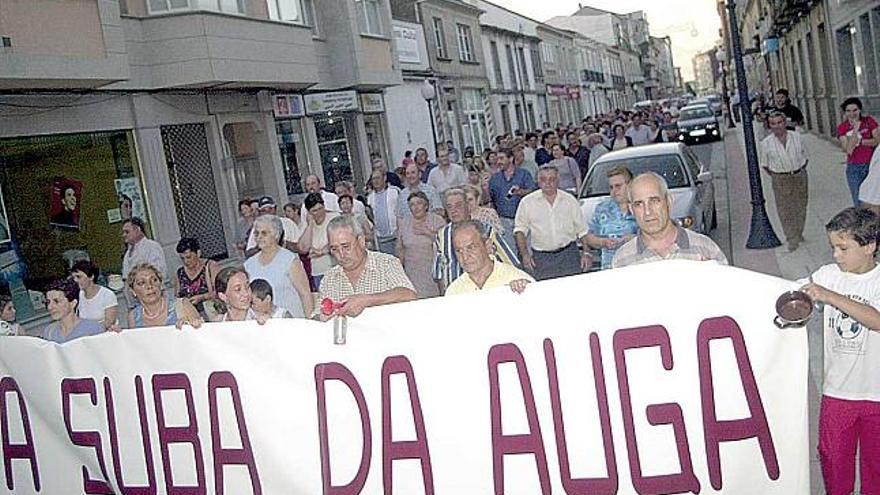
409,124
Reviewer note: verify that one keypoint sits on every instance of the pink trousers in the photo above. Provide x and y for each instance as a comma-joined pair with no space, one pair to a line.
845,425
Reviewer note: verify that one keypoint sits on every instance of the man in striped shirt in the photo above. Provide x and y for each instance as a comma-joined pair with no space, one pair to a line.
446,266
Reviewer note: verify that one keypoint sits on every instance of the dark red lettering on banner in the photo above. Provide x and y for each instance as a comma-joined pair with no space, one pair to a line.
150,488
415,449
715,431
222,457
336,371
582,486
13,451
91,439
657,414
528,443
188,434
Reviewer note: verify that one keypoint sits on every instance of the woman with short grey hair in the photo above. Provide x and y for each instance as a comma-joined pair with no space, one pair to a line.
280,267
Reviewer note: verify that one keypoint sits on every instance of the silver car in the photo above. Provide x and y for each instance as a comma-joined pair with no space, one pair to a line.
690,183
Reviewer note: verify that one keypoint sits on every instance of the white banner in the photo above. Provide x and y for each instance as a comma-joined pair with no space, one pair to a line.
665,378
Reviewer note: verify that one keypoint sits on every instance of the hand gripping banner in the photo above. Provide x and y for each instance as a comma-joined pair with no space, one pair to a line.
658,379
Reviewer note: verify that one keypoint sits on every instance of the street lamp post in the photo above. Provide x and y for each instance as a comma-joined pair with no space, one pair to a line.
429,93
761,235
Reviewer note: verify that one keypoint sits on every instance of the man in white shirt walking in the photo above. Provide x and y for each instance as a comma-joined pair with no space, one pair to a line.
383,201
446,174
784,158
555,224
639,132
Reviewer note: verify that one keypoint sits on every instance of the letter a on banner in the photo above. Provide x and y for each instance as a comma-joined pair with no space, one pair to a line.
416,449
222,456
737,429
529,443
16,451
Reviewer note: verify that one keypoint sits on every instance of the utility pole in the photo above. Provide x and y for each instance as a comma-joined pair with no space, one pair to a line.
761,235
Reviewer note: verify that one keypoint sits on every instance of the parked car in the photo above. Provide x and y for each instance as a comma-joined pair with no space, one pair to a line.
690,183
697,122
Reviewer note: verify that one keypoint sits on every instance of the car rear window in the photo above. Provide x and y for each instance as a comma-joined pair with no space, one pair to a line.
695,113
668,166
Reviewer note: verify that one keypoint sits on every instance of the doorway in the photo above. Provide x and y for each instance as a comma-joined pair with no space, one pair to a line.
193,187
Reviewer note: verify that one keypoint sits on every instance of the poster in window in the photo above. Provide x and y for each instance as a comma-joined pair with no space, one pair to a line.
5,236
64,203
131,202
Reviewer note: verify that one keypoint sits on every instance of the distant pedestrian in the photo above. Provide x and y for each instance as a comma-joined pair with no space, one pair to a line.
620,140
858,135
794,118
639,133
784,158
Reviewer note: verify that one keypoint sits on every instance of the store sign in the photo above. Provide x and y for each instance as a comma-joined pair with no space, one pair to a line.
372,103
557,90
288,106
406,40
339,101
574,92
676,389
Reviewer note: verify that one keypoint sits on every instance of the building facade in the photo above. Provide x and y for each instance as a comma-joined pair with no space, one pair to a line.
559,60
514,67
172,110
706,71
462,109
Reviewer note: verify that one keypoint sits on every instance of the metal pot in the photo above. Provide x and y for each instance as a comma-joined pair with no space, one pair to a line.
793,309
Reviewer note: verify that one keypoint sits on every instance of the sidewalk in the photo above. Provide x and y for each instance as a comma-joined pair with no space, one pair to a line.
828,194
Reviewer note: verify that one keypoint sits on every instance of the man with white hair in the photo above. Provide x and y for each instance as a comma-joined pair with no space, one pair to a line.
659,237
361,278
313,185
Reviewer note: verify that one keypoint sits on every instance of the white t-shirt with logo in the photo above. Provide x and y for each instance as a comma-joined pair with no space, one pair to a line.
852,351
93,309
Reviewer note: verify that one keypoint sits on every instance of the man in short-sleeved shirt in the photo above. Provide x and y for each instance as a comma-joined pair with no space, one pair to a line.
659,237
471,240
361,278
413,183
446,174
553,220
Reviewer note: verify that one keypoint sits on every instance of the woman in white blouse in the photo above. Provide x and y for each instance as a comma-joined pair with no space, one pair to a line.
96,302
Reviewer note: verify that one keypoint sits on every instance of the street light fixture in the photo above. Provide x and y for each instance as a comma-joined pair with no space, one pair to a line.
761,235
429,93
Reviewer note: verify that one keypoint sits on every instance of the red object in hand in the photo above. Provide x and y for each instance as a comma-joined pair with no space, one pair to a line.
328,306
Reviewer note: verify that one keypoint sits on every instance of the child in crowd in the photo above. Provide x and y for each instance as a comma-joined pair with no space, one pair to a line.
262,300
8,326
850,411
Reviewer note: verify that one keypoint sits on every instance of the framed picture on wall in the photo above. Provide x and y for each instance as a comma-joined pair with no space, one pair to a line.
5,235
65,202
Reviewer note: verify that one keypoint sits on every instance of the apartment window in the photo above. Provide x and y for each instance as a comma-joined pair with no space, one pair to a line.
523,72
230,6
549,54
505,118
298,11
536,61
511,67
167,5
868,48
370,16
520,122
496,64
440,38
465,43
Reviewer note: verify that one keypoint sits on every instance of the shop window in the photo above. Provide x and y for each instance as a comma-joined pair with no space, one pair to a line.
289,135
334,151
376,138
61,198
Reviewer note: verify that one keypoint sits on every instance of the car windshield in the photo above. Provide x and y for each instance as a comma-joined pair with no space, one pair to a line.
695,113
668,166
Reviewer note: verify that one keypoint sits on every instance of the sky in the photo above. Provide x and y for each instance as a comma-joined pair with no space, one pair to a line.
691,24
